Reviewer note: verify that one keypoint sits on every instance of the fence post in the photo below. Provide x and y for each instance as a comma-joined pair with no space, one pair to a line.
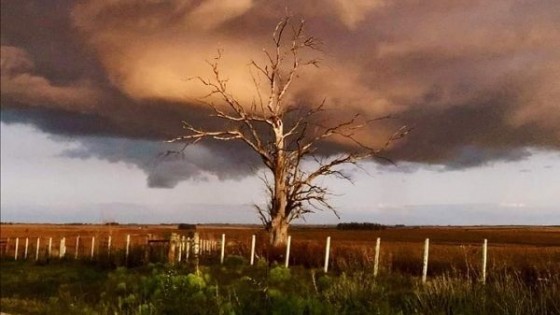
62,249
49,251
109,245
253,241
376,258
17,247
77,253
425,261
26,247
184,244
484,260
327,253
287,264
127,251
173,248
188,249
92,246
222,254
37,248
196,250
180,253
181,248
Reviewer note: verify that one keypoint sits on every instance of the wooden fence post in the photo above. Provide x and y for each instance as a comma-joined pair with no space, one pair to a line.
181,248
223,251
425,261
77,252
17,247
180,253
109,245
327,253
173,248
62,248
484,260
376,258
253,241
26,247
127,250
287,263
49,249
37,248
92,246
196,250
188,249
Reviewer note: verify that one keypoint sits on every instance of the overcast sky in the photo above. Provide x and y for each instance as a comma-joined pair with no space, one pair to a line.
90,90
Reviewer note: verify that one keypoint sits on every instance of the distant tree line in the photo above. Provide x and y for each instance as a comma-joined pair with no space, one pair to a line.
361,226
186,226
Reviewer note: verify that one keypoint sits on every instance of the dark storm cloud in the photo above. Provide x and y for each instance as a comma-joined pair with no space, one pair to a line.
166,171
479,81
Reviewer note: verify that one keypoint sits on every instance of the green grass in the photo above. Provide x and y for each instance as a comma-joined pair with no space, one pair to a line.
236,288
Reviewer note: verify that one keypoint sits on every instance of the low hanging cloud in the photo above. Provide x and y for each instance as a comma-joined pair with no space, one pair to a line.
478,81
166,170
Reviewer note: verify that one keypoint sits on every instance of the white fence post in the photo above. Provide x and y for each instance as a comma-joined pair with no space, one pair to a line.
77,252
253,241
92,246
62,248
17,247
49,249
327,253
376,258
484,260
37,248
127,251
109,245
188,249
425,261
222,254
196,244
180,253
287,264
26,248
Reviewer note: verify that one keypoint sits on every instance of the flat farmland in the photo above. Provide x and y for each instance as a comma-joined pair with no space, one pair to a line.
522,272
528,250
497,236
525,250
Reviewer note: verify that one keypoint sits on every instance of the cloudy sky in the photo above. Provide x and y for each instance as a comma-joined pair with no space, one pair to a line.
91,89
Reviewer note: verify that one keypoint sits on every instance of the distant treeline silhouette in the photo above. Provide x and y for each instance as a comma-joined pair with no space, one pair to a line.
186,226
361,226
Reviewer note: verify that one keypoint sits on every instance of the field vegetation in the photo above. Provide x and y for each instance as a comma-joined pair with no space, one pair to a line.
235,288
523,274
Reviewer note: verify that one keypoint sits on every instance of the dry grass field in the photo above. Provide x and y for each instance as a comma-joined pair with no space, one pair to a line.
528,251
523,269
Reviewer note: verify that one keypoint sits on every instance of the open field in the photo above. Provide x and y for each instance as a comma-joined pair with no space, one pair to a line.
523,269
529,250
502,235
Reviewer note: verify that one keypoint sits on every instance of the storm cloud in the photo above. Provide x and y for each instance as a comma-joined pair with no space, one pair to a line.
479,81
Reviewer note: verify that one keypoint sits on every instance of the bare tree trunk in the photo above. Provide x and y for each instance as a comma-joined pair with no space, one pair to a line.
278,231
279,220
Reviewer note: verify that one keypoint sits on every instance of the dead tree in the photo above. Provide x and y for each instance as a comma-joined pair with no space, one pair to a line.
286,136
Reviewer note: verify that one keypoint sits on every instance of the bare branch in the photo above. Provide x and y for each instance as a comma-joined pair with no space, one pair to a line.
284,136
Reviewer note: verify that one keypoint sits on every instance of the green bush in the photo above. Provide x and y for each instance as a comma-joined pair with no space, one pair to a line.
77,288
